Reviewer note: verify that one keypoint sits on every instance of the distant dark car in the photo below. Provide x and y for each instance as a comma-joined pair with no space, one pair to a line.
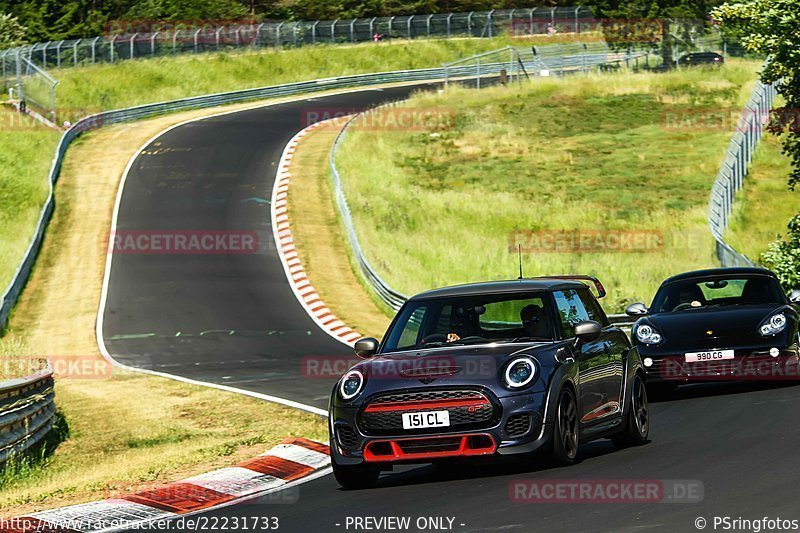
492,368
718,324
701,58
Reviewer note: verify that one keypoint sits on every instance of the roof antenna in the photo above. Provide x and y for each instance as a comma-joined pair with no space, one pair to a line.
519,253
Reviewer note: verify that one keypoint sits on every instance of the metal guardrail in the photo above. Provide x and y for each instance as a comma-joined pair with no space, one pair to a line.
136,39
11,294
731,176
27,409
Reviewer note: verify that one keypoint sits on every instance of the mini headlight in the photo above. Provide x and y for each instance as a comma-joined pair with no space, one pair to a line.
646,334
351,384
774,325
520,372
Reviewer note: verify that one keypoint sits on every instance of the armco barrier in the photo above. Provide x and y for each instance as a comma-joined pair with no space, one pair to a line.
26,411
731,175
13,290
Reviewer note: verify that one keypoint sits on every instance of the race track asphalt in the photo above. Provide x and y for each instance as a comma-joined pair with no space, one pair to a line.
232,319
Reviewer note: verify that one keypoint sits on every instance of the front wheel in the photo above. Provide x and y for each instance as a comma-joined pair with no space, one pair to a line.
355,476
565,436
636,425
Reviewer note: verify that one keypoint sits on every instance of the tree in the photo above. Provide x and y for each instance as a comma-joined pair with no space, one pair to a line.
12,33
771,27
783,256
635,21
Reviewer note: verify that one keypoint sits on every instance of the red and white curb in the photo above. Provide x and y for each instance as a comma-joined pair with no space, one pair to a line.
294,461
298,279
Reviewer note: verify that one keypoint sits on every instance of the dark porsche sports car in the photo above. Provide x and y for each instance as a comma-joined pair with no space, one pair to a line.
725,323
506,367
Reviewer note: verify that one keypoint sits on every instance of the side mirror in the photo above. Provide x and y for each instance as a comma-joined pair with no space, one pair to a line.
637,309
587,331
794,296
366,348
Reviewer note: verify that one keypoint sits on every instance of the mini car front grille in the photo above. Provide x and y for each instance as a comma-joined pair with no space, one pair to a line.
428,395
430,445
468,410
346,436
518,425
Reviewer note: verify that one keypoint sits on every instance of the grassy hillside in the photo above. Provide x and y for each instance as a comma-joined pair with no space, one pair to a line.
765,204
127,83
621,156
26,149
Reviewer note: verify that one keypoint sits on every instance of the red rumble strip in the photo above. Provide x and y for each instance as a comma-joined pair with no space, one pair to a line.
290,461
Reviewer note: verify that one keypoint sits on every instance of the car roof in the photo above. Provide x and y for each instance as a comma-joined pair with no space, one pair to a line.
493,287
727,271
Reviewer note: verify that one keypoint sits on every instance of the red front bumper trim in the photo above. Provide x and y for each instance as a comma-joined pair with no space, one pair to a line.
417,448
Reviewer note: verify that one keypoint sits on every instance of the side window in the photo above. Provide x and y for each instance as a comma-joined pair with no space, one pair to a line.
443,324
571,310
593,308
408,337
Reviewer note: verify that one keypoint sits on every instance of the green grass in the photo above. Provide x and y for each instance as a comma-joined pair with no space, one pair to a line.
765,204
27,150
141,81
589,153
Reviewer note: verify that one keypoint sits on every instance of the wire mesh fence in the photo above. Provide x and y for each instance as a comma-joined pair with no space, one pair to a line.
730,178
138,39
30,85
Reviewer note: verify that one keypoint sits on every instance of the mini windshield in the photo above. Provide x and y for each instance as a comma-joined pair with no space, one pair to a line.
469,320
718,291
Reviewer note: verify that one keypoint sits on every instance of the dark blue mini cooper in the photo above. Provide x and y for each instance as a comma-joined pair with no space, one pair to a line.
504,368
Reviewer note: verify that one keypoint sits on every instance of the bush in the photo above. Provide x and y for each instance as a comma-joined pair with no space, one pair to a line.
783,256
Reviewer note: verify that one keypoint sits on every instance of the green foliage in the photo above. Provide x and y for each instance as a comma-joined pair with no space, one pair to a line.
12,33
783,256
771,27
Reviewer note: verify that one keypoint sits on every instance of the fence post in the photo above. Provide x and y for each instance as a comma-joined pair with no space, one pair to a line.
448,24
153,44
194,38
333,30
408,26
94,43
352,30
175,39
133,39
428,24
489,22
111,50
58,53
314,32
75,52
278,35
577,20
372,27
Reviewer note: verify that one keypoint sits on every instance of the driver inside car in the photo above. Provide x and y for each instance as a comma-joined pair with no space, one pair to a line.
533,319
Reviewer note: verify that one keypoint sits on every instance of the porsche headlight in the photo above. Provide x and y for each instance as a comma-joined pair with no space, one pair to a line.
774,325
520,372
351,384
647,334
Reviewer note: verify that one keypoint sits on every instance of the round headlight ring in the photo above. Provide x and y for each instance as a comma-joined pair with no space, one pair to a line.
346,388
778,321
531,374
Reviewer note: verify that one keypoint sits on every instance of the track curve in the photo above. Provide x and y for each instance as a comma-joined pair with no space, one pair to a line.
232,319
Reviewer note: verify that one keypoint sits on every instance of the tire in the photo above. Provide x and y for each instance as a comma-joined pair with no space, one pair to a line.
566,438
636,426
355,476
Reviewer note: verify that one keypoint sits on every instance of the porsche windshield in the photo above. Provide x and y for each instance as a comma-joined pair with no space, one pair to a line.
711,292
474,319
